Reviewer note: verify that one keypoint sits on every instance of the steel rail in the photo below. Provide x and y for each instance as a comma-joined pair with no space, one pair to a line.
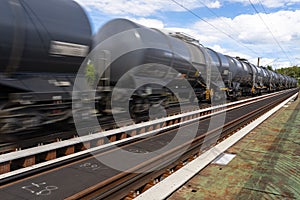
172,183
124,182
117,185
153,127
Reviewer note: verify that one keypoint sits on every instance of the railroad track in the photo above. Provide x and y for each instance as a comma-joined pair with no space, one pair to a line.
124,182
27,140
104,182
31,139
45,153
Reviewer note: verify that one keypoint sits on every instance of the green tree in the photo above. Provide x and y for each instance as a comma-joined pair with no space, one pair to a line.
293,71
90,74
270,68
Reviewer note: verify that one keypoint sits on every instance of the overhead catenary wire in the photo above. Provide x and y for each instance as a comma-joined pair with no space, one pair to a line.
270,31
215,14
261,4
219,17
262,7
221,31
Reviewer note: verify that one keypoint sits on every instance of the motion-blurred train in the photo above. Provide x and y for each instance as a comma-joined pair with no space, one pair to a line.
44,43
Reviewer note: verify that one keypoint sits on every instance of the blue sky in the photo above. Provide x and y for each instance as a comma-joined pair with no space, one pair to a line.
269,29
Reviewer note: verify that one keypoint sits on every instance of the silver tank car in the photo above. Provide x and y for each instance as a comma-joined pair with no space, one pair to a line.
131,45
42,45
195,62
240,72
144,45
220,62
266,77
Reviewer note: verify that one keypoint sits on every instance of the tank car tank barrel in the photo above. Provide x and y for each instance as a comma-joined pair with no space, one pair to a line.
18,37
43,36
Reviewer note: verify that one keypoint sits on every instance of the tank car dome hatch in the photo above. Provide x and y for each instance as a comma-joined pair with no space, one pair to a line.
37,35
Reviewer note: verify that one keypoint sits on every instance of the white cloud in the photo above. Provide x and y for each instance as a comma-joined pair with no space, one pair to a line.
251,31
121,7
283,25
215,4
145,8
231,36
268,3
132,7
230,52
248,32
150,7
152,23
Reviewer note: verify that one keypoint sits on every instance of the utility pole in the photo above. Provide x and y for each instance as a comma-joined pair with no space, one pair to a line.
258,61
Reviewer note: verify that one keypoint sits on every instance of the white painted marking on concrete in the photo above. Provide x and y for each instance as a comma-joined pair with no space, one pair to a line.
224,159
